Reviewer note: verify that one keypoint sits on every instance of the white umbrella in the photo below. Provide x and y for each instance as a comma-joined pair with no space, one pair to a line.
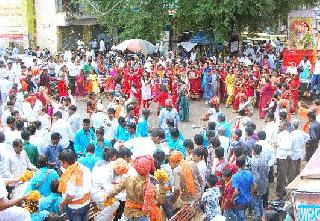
187,45
137,45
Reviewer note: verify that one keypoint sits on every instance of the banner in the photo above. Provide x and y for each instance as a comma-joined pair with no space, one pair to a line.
13,17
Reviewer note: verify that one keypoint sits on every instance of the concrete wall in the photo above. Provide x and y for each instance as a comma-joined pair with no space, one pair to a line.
47,31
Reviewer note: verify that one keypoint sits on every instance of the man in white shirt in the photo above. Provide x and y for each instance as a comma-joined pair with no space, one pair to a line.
268,151
225,141
3,70
271,128
198,155
247,60
98,118
299,138
102,46
73,72
284,151
31,107
44,118
16,67
74,119
315,80
4,152
5,86
9,211
39,137
18,160
75,185
62,127
10,72
111,124
10,132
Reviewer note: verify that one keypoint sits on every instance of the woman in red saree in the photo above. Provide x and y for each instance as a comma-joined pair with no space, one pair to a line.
266,94
194,83
62,88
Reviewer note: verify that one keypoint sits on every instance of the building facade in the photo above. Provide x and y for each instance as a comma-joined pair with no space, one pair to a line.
60,23
52,24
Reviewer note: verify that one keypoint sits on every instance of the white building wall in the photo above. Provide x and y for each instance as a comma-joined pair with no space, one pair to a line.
46,26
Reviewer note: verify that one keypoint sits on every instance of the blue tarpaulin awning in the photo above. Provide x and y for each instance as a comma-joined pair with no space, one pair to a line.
201,38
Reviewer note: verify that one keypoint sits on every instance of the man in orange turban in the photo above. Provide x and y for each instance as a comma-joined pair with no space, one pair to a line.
187,179
142,197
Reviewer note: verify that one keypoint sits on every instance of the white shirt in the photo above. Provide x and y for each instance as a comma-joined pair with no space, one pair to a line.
44,119
268,152
299,138
12,213
11,135
3,73
75,123
136,146
98,119
317,68
62,127
225,144
5,86
102,178
79,191
31,113
102,46
110,128
271,130
247,61
202,167
41,139
17,164
4,153
213,115
285,143
73,70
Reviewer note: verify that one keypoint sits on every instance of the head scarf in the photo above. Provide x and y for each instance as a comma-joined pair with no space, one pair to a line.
177,157
144,165
121,166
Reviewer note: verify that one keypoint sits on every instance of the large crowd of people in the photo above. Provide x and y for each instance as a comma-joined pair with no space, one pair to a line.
60,162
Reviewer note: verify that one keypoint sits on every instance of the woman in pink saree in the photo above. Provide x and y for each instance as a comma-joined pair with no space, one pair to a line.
266,94
81,82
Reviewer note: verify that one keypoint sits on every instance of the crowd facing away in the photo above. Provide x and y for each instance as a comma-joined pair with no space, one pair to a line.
58,162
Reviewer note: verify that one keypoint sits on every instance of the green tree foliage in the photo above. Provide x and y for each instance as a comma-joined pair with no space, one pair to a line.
143,19
222,17
146,19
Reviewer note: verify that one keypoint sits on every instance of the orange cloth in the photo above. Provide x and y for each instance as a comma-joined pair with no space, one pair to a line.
155,213
188,177
177,157
302,112
84,199
74,171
